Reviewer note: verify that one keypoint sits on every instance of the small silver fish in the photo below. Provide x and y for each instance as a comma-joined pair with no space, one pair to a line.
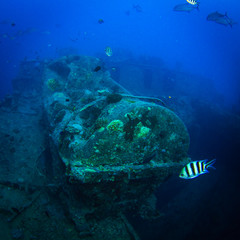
196,168
108,51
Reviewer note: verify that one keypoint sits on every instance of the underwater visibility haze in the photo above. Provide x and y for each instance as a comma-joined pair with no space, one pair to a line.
119,119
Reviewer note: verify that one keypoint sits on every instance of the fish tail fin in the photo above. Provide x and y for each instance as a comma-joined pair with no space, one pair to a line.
226,15
232,23
210,164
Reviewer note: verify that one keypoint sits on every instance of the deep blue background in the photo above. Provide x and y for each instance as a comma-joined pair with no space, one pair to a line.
185,39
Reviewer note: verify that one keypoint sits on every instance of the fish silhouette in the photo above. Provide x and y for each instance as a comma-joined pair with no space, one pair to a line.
222,19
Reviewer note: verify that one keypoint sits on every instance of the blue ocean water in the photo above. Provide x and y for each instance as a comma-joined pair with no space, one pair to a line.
154,34
187,39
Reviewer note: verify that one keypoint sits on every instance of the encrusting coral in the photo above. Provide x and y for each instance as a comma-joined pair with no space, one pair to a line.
115,126
52,84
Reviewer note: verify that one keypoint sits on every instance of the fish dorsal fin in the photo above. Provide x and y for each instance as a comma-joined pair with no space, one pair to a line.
210,164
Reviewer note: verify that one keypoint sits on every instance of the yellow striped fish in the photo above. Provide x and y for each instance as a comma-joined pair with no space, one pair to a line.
196,168
108,51
193,2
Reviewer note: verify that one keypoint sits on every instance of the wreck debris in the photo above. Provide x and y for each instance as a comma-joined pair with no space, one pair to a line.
109,143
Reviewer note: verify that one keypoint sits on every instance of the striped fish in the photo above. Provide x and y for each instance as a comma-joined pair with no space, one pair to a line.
193,2
196,168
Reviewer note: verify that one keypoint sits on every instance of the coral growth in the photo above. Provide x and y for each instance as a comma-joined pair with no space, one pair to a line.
52,84
141,131
115,126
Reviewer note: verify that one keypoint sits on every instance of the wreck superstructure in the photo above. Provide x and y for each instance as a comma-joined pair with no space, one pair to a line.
105,152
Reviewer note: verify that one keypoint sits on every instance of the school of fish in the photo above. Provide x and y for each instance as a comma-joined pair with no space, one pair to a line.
216,17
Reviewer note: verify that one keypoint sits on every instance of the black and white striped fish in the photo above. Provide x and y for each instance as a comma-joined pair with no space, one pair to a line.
196,168
193,2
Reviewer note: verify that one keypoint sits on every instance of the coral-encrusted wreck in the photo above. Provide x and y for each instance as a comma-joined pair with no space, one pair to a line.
116,148
79,153
101,133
